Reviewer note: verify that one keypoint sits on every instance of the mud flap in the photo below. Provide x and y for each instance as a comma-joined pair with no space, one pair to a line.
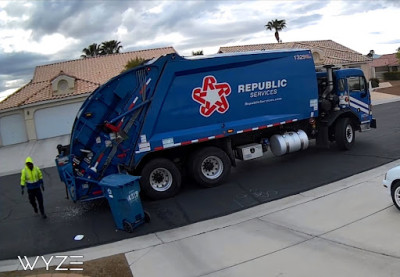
323,137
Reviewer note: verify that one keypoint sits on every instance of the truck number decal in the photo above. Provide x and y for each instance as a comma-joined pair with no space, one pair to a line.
212,96
302,57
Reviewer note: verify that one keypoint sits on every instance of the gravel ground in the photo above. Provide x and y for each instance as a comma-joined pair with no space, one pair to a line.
395,89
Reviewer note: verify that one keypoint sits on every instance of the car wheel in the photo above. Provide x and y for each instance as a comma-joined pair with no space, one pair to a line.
396,194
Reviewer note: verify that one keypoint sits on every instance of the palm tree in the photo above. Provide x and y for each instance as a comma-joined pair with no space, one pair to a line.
197,53
110,47
92,50
277,25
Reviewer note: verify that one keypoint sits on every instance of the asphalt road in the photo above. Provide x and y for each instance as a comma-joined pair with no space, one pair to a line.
22,233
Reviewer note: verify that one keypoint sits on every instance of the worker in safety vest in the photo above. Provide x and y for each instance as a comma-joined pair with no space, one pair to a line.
32,177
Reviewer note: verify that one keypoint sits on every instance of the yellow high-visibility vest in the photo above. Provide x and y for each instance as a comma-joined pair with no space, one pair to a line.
32,177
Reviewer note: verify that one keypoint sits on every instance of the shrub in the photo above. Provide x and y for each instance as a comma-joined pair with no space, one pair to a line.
133,63
374,82
395,75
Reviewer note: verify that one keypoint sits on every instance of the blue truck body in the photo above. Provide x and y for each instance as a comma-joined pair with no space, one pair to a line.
158,118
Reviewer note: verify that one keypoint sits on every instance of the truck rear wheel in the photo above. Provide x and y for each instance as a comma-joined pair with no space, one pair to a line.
210,166
344,134
161,179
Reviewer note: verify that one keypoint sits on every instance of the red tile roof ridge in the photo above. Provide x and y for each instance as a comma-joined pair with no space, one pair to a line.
103,56
346,49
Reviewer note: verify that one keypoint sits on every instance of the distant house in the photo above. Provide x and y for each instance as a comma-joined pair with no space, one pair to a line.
324,52
385,63
46,107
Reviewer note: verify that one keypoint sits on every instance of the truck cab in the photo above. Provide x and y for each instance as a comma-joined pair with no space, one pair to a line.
343,96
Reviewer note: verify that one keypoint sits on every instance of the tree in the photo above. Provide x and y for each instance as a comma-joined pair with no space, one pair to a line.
371,54
105,48
133,63
197,53
398,54
93,50
110,47
277,25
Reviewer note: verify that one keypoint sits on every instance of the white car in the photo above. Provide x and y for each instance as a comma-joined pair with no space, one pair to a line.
392,183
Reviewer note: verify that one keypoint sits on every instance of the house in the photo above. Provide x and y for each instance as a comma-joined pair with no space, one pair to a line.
385,63
324,52
46,107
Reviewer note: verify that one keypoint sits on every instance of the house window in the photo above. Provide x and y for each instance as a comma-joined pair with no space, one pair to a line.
63,84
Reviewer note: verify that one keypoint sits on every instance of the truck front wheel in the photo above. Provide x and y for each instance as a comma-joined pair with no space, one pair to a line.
210,166
160,179
344,134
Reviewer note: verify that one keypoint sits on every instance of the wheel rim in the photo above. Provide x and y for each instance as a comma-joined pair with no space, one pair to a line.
212,167
396,196
161,179
349,133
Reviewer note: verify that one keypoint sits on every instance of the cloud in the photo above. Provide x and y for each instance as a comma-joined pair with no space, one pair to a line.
17,68
355,7
304,21
395,41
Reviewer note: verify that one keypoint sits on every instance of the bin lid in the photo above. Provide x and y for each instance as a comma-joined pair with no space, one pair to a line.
118,180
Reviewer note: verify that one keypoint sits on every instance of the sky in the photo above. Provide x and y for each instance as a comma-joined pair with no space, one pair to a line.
34,33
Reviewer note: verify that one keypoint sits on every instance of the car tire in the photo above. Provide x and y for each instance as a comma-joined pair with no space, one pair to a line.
395,193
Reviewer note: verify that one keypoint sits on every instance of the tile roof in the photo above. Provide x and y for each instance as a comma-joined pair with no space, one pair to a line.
89,73
386,60
332,52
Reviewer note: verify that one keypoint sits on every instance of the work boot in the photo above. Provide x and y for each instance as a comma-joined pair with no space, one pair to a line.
35,210
44,216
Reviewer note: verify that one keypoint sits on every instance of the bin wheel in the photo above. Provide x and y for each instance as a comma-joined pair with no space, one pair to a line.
161,179
147,217
210,166
128,227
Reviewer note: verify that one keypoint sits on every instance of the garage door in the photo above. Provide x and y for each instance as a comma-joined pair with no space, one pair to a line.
12,129
55,121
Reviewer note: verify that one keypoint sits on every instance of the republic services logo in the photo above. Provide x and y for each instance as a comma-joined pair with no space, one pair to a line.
212,96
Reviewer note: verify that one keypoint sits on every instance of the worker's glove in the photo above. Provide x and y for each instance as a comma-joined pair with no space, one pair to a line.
22,190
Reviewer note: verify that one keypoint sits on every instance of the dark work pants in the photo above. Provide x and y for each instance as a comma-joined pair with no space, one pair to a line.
36,194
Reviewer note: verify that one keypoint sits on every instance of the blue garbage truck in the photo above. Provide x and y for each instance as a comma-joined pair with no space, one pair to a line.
199,115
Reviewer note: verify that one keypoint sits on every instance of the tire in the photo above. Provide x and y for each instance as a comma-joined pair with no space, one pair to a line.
395,193
147,217
344,134
210,166
161,179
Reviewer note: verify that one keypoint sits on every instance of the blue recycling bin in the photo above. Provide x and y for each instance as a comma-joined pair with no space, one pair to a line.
122,193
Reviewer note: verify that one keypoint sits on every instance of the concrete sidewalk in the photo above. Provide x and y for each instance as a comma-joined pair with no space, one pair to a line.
347,228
